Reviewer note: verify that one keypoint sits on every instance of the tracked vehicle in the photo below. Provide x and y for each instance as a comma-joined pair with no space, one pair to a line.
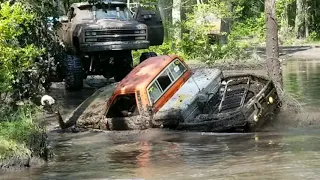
100,36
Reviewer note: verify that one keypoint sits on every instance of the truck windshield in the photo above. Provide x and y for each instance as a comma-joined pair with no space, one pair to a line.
108,13
165,80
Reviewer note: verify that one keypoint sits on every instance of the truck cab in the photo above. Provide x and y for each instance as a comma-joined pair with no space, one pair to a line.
161,91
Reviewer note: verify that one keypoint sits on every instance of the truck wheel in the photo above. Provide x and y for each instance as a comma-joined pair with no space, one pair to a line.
74,73
147,55
123,66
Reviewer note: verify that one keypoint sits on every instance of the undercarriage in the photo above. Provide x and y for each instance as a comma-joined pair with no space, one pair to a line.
108,63
116,64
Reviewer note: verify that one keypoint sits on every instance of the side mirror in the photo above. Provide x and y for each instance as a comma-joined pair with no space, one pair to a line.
64,19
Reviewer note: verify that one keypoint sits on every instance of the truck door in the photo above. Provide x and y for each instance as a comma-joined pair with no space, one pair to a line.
150,16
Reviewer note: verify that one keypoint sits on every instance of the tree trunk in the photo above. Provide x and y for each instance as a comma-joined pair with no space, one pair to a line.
176,19
272,46
300,20
306,18
285,19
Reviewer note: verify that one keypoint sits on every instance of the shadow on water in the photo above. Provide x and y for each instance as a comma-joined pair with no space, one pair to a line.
292,153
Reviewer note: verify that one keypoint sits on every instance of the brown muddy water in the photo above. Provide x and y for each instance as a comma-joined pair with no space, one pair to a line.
291,153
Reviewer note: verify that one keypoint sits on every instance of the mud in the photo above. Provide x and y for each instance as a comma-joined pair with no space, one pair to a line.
90,112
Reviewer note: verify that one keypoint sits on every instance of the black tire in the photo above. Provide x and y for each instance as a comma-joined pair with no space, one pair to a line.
123,66
74,73
147,55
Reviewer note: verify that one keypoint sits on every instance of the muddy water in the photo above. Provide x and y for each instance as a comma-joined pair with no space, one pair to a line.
156,154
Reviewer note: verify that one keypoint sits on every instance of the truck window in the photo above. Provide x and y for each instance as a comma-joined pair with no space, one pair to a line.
165,79
163,82
154,91
123,106
106,13
177,69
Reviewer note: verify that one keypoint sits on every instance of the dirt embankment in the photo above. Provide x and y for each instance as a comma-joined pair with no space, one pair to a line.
34,153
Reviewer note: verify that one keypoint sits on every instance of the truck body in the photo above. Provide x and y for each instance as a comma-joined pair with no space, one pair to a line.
100,35
164,92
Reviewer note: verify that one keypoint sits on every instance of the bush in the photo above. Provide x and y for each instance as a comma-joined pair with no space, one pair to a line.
28,51
313,37
20,134
195,43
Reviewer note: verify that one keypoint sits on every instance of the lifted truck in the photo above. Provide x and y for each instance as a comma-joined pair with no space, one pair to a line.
163,91
100,36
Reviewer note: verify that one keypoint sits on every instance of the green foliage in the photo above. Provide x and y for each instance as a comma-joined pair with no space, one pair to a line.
313,37
28,53
28,50
14,58
196,43
10,148
18,132
251,27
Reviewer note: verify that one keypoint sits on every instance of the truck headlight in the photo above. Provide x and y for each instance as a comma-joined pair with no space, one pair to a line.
91,39
140,38
91,33
140,31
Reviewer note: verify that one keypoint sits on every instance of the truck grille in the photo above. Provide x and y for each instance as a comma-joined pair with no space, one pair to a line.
111,32
115,35
123,38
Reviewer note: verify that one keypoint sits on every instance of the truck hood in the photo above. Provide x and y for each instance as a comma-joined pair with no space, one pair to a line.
114,24
109,23
184,102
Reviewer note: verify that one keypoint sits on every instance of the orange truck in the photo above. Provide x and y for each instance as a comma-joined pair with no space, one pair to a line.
163,91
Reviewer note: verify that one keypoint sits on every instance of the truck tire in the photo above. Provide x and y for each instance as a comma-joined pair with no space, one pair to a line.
147,55
123,66
74,73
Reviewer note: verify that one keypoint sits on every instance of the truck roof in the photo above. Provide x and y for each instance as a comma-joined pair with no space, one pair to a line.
80,4
142,75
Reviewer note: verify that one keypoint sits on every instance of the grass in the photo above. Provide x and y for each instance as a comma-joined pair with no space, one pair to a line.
17,132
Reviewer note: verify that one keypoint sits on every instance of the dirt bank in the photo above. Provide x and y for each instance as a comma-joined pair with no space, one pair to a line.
30,153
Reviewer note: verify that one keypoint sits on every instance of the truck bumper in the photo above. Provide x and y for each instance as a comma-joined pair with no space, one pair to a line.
110,46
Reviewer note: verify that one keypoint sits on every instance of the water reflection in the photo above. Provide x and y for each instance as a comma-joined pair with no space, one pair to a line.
156,154
302,80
